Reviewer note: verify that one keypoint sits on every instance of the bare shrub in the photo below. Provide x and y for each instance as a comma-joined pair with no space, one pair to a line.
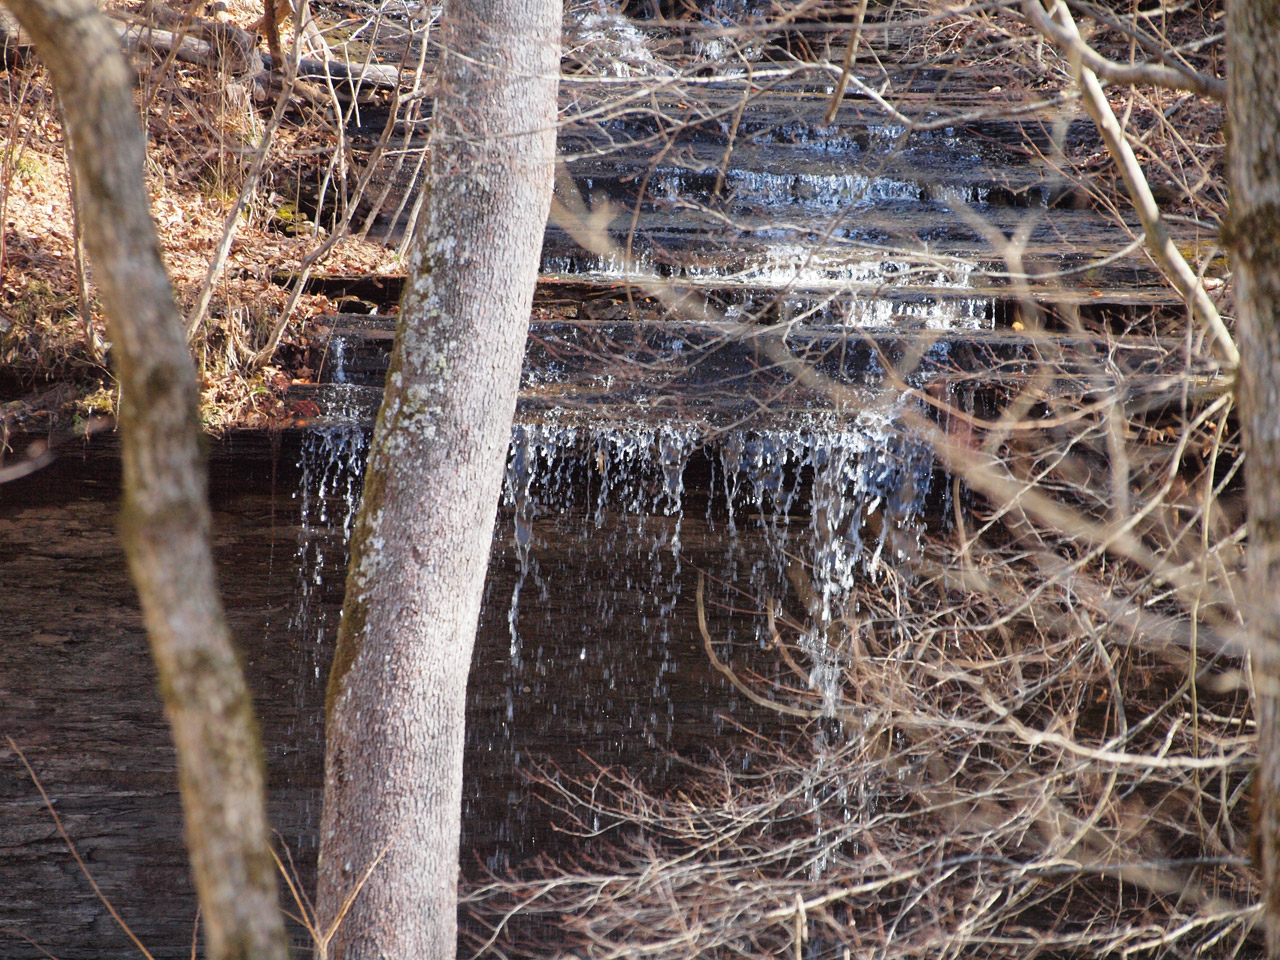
1041,737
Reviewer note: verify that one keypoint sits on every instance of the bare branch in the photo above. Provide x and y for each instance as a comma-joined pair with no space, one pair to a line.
1159,242
1155,74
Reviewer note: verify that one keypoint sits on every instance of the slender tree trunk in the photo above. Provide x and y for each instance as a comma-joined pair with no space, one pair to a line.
165,522
1253,233
397,692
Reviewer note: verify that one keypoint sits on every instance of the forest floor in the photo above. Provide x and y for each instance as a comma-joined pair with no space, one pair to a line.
54,373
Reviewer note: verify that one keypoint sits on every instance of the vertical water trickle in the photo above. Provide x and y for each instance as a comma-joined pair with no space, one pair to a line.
835,517
833,521
864,484
731,448
518,478
674,447
332,464
337,359
529,443
620,460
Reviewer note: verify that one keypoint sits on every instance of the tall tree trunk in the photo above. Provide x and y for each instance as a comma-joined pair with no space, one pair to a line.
1253,233
165,523
420,548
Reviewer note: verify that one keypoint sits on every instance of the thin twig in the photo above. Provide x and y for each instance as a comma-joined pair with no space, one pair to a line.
57,822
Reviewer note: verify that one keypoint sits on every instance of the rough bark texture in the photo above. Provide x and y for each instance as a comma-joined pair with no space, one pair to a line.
165,520
393,766
1253,233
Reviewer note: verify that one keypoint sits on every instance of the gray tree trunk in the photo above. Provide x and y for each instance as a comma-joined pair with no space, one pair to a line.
1253,234
165,521
420,548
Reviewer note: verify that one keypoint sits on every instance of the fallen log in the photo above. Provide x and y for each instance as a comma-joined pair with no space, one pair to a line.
209,44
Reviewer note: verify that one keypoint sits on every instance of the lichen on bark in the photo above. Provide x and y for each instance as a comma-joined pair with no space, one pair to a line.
396,700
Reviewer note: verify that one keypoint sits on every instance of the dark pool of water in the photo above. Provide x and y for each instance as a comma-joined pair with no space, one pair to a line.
599,662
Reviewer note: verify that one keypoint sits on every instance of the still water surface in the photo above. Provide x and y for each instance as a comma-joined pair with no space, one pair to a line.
588,650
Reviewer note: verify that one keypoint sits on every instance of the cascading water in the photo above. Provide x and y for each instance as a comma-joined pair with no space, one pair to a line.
332,466
838,500
588,633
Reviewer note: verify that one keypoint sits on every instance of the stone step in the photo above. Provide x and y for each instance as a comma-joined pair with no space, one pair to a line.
718,374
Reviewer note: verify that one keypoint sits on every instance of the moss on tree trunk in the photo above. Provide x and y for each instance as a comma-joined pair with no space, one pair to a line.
165,519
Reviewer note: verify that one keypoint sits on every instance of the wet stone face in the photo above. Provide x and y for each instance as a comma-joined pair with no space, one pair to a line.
588,649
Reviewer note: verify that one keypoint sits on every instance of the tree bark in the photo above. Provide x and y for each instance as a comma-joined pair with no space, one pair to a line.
1253,235
165,519
420,548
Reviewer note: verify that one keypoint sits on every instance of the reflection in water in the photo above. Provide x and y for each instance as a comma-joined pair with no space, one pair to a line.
588,650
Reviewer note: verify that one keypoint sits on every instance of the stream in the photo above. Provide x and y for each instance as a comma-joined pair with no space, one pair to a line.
622,488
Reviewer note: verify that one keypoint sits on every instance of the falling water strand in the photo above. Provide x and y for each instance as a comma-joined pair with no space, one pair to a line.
731,468
332,465
338,359
674,448
531,457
